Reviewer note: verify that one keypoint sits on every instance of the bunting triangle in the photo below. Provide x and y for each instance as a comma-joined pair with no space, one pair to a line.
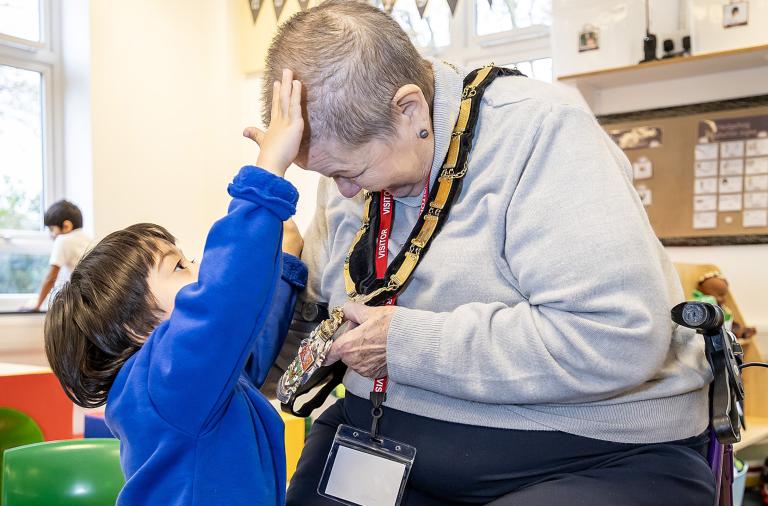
452,5
255,8
389,5
303,4
279,4
421,5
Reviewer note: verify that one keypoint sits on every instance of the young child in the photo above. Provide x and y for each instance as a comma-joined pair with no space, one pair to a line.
64,221
138,327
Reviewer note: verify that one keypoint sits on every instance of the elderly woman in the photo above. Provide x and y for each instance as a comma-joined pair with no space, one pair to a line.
530,354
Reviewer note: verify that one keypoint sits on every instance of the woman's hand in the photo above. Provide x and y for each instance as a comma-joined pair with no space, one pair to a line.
292,241
280,143
364,348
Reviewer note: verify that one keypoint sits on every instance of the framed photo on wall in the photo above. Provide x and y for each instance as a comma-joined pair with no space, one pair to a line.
735,14
720,25
589,38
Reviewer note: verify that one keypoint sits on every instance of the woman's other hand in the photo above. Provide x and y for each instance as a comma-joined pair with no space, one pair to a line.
292,241
364,348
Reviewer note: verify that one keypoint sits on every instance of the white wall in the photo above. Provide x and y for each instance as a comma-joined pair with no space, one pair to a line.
75,79
165,114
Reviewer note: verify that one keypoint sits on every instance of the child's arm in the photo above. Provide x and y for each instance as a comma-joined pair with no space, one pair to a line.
47,286
58,258
292,281
272,336
199,353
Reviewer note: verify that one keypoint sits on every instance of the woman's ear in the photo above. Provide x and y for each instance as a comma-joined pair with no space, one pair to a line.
409,101
67,227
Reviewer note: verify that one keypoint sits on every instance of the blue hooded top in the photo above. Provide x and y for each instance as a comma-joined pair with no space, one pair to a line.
193,427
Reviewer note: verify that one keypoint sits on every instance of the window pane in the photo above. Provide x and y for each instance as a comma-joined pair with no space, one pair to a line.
22,272
525,68
542,69
432,31
20,18
494,16
537,69
21,149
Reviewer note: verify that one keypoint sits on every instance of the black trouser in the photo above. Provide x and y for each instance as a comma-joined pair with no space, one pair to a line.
462,464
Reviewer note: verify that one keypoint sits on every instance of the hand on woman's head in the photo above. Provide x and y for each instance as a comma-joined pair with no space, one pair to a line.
280,143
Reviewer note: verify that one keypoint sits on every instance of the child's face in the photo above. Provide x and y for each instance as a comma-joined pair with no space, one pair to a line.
172,272
56,230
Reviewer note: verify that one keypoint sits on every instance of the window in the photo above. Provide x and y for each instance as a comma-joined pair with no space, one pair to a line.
494,16
20,19
428,32
21,141
27,63
540,69
479,32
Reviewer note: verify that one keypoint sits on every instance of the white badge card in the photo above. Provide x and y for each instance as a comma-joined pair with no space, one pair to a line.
362,471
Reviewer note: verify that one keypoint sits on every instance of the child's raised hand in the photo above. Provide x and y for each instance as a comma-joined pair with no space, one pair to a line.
280,143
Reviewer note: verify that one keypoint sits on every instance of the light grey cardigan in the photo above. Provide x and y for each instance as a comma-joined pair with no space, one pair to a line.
543,303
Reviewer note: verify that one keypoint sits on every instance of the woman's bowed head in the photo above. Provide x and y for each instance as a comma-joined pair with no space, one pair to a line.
366,126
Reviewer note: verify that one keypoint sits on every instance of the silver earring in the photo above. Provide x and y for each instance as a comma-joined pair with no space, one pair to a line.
424,133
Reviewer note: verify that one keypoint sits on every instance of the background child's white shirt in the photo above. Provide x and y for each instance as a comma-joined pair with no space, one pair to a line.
67,251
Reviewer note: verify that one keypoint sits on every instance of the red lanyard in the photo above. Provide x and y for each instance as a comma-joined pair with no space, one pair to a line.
386,211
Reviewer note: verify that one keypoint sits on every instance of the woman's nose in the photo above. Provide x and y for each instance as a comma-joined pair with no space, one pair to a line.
347,187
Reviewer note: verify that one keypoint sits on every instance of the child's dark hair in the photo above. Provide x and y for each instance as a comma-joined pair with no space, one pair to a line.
104,313
61,211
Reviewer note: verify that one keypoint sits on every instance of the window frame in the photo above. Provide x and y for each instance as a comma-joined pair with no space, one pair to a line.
472,50
41,56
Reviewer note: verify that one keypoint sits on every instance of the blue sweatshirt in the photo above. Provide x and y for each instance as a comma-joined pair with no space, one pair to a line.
193,428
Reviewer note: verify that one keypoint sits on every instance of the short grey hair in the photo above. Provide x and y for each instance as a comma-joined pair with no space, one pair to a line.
351,58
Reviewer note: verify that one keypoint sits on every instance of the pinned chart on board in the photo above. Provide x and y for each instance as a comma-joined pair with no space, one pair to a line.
701,171
731,169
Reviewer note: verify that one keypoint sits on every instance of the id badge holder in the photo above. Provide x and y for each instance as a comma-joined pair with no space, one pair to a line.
366,471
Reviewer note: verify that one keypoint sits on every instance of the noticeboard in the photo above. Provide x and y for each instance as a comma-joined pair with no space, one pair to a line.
701,171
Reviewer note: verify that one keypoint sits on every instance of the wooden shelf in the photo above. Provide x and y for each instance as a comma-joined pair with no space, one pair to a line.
757,431
672,68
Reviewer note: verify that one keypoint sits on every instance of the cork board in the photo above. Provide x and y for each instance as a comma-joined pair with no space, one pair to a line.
701,171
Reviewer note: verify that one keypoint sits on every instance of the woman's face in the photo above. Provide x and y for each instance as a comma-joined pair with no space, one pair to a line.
400,164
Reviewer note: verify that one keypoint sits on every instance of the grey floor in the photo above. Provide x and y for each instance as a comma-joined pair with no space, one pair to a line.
751,498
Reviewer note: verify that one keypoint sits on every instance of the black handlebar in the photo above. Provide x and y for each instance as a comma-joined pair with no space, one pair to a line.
700,316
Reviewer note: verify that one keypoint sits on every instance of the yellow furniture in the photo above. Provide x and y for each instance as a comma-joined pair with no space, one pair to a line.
294,441
755,378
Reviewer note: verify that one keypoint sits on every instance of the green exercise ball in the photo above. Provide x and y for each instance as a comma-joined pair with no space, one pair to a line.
77,472
16,429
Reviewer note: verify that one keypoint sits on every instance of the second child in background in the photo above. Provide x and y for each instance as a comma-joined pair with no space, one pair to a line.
70,242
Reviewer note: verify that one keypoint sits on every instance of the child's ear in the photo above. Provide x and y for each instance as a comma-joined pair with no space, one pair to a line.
67,227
